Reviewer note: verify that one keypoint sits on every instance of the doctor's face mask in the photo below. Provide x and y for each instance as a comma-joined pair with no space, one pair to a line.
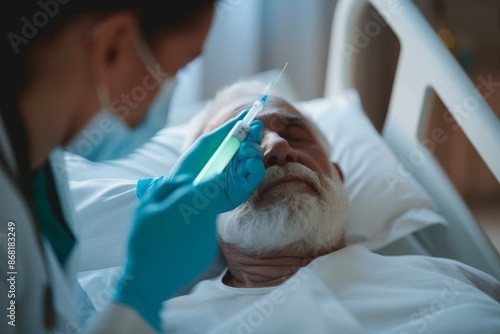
107,136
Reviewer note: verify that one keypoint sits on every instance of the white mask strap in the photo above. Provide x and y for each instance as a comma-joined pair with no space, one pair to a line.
145,53
103,94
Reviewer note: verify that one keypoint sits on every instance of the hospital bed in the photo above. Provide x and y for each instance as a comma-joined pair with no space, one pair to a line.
424,64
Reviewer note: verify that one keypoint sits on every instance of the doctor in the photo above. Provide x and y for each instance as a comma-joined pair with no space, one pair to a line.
89,67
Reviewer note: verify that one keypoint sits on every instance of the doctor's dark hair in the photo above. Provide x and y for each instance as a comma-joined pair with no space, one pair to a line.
26,23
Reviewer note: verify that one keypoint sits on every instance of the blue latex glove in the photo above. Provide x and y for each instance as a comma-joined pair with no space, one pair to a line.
240,178
173,238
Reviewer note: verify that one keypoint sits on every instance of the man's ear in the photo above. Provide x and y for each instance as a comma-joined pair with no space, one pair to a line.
339,171
111,45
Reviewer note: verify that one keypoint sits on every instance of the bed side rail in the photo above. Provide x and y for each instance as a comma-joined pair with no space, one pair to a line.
424,63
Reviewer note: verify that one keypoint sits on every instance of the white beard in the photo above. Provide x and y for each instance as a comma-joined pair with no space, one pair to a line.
300,222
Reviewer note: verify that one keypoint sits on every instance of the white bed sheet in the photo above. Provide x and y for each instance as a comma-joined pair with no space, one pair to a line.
349,291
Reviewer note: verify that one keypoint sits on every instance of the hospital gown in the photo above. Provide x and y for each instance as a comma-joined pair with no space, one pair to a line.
349,291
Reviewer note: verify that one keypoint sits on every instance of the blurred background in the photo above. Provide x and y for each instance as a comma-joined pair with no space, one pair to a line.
252,36
255,36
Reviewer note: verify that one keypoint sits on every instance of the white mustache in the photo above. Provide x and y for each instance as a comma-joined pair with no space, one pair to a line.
292,169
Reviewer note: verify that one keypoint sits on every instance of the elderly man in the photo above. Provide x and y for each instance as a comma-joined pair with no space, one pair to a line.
288,267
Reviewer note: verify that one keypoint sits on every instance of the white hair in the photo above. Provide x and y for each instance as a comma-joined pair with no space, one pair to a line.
229,98
224,99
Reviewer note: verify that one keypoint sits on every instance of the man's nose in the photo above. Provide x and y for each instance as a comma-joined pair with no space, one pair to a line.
277,152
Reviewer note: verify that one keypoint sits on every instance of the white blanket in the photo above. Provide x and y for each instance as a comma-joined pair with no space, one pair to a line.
350,291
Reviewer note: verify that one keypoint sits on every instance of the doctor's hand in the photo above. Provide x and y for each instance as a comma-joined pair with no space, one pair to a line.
173,238
171,243
238,180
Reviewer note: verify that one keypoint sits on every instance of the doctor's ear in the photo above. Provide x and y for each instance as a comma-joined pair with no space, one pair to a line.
339,171
112,48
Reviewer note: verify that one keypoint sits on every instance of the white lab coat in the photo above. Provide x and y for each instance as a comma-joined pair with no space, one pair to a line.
33,271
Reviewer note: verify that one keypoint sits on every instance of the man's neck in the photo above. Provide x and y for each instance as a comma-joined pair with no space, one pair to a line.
247,271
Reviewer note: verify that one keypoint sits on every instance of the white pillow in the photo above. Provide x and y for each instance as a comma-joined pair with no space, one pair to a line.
382,209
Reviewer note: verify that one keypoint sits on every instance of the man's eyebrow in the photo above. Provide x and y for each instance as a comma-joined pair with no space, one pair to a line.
292,119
